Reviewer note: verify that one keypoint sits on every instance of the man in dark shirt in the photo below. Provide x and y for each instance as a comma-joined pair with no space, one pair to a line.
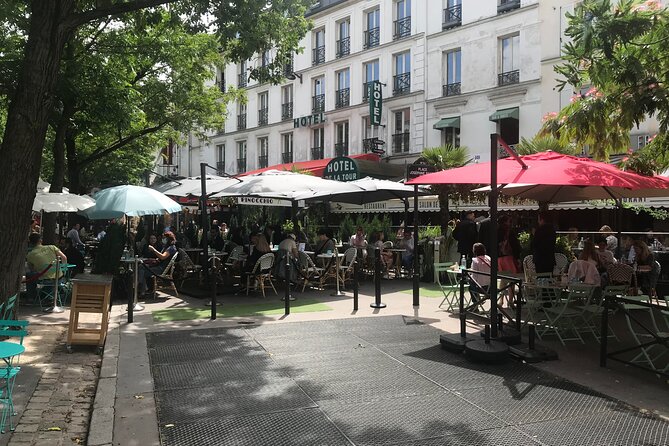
543,245
465,233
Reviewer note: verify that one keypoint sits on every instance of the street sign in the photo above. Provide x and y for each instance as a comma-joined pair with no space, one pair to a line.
341,168
373,145
375,102
417,169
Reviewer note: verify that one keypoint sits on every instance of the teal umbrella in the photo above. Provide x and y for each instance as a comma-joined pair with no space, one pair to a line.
133,201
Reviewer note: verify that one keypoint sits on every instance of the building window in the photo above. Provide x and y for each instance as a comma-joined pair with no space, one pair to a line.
242,75
241,156
319,47
241,117
401,129
265,59
220,159
263,108
452,72
343,98
288,66
263,152
452,136
220,83
507,5
287,148
452,14
318,143
371,70
318,99
344,38
509,60
287,102
402,23
372,35
341,138
402,77
642,141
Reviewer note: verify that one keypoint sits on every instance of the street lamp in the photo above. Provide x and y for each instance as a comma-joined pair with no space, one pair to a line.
293,75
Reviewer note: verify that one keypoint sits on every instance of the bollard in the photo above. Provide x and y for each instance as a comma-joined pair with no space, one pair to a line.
604,339
214,291
286,297
500,322
463,316
519,312
131,298
487,334
531,335
377,280
355,284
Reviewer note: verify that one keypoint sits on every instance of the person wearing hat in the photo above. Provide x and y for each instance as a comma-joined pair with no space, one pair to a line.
289,245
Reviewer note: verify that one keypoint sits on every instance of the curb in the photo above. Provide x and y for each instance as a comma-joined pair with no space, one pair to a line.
101,428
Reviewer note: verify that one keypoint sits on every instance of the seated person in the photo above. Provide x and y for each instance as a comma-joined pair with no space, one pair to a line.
407,244
386,256
289,245
148,253
39,258
605,256
260,247
216,242
325,243
480,262
590,254
164,257
359,241
74,257
647,273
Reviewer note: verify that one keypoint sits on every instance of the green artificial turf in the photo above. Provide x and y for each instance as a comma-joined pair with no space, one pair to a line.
232,310
426,292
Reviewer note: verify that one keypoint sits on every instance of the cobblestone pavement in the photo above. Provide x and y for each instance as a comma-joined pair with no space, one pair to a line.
58,411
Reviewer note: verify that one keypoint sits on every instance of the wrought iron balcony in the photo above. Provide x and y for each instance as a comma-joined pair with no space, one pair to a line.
287,111
263,161
372,37
287,157
220,167
241,165
318,55
241,121
508,78
241,80
452,89
318,103
343,98
402,28
452,17
317,153
507,5
343,47
288,68
341,149
401,84
401,142
262,116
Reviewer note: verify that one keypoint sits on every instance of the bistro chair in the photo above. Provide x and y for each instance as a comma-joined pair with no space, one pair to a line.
529,268
166,279
649,340
619,274
563,319
262,271
308,270
347,265
561,263
449,286
185,268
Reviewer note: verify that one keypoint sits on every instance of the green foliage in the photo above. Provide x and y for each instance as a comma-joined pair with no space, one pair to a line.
348,225
543,143
429,232
657,214
562,245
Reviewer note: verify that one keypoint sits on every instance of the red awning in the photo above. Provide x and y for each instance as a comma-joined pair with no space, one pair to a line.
315,167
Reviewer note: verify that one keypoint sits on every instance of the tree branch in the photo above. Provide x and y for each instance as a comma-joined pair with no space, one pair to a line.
103,151
80,18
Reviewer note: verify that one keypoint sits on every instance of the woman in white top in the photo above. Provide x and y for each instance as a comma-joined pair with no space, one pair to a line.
480,262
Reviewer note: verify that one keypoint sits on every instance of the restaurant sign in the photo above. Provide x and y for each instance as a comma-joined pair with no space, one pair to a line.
263,201
341,169
305,121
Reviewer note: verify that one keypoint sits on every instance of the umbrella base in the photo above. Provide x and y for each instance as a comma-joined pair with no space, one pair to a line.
454,342
491,352
537,354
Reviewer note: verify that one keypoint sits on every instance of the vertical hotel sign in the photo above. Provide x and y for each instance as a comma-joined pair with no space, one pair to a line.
375,102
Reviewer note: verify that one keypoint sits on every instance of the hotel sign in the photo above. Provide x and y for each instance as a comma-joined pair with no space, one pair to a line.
306,121
375,102
341,169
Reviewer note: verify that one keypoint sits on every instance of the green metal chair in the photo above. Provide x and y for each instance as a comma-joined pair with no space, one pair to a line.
563,319
8,373
449,286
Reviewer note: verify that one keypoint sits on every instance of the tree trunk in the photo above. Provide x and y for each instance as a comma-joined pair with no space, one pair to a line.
25,132
444,216
73,166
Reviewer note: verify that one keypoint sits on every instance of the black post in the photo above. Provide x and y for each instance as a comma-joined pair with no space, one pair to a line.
377,280
131,296
519,310
492,198
500,322
463,316
293,216
416,258
286,296
355,283
205,234
619,248
531,336
604,333
487,332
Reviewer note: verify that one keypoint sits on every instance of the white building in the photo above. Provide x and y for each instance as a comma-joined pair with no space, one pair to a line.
452,72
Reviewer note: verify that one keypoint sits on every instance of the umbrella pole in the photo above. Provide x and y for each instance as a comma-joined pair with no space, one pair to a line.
492,198
416,260
619,208
205,233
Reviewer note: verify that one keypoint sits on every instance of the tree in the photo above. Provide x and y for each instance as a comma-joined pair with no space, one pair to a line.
445,157
618,63
544,143
40,31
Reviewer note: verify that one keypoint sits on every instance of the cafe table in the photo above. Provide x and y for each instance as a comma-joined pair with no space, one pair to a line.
337,256
397,260
8,351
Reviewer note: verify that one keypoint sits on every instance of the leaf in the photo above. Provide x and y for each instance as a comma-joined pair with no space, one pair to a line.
54,428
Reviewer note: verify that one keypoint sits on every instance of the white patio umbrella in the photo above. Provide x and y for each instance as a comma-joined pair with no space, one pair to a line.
193,186
371,190
61,202
133,201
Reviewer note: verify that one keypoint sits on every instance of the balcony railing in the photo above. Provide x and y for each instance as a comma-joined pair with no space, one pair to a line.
318,103
507,5
365,91
508,78
287,111
452,89
341,149
262,116
452,17
401,142
220,167
241,80
287,157
371,37
241,165
317,153
343,98
288,68
263,161
402,28
318,55
401,84
343,47
241,121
